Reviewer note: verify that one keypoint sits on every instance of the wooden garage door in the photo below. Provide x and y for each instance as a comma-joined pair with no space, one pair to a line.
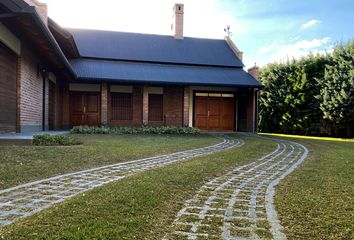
8,73
214,111
84,109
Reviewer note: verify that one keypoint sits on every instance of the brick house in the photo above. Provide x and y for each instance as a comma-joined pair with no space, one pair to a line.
55,78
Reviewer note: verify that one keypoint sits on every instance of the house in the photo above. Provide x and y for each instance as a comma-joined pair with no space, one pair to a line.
54,78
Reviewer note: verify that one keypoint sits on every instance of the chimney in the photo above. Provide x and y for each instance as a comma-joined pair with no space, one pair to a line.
177,25
42,9
254,71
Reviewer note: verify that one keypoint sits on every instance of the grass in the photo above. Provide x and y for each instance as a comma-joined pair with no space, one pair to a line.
317,200
21,164
308,137
141,206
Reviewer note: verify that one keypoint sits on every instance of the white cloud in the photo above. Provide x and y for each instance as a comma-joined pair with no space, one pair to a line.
300,49
310,23
203,18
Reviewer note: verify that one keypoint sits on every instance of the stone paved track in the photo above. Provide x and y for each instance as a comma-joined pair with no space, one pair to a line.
27,199
239,204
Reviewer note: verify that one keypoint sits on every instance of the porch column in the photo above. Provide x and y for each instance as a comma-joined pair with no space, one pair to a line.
251,110
66,106
145,105
254,71
186,106
104,104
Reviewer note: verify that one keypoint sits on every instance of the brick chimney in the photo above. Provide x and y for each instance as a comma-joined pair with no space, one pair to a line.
177,24
254,71
42,9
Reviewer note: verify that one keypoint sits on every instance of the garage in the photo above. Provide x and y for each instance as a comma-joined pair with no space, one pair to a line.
214,111
8,73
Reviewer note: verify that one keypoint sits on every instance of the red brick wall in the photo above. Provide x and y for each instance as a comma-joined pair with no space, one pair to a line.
173,105
30,91
186,98
104,103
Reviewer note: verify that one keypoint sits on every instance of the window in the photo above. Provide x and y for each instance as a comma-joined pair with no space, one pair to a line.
155,107
122,106
224,95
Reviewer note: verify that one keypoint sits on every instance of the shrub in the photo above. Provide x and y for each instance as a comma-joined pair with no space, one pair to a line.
53,140
134,130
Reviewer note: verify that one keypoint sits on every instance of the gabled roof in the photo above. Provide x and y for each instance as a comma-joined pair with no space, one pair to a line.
153,73
154,48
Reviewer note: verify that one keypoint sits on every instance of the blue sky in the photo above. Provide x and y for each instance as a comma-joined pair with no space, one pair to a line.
265,30
281,29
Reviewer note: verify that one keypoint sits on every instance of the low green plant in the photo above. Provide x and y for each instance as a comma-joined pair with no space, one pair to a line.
53,140
134,130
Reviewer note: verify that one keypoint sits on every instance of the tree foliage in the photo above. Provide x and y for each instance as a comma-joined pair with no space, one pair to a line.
337,92
311,96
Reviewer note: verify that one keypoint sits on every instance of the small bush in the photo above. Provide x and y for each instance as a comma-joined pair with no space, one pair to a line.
134,130
53,140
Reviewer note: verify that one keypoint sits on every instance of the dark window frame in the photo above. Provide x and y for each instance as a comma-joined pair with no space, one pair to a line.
121,112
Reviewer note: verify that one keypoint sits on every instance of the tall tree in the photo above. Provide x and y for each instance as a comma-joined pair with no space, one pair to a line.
288,103
337,93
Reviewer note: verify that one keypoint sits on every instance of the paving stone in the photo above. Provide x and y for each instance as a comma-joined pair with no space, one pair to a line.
242,200
27,199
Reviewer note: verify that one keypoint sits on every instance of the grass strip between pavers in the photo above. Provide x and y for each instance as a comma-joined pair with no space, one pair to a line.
23,164
142,206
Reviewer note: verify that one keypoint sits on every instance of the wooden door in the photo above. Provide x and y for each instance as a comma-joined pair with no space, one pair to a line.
84,109
214,113
8,96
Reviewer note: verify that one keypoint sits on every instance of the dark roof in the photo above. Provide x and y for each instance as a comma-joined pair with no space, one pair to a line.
154,48
27,18
90,69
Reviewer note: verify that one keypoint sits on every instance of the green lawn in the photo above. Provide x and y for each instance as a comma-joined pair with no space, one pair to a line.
314,202
141,206
21,164
317,200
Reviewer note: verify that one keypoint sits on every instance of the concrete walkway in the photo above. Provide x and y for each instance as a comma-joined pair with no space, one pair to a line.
29,136
239,204
27,199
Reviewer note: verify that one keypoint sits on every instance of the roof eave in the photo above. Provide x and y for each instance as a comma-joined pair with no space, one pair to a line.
19,6
167,83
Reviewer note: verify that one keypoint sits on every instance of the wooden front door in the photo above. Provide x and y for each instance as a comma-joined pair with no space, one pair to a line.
84,109
214,113
8,74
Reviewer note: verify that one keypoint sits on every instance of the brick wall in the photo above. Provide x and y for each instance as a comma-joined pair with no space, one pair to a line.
30,101
104,103
186,100
173,105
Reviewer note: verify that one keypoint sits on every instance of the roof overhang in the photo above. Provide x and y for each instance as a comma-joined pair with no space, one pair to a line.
25,22
131,72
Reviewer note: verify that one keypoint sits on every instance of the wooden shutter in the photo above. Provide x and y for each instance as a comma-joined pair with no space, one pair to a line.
155,107
122,106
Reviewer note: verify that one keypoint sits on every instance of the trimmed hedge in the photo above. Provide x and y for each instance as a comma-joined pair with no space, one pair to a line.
134,130
53,140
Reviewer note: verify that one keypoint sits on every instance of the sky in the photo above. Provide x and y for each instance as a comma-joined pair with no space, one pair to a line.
265,31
